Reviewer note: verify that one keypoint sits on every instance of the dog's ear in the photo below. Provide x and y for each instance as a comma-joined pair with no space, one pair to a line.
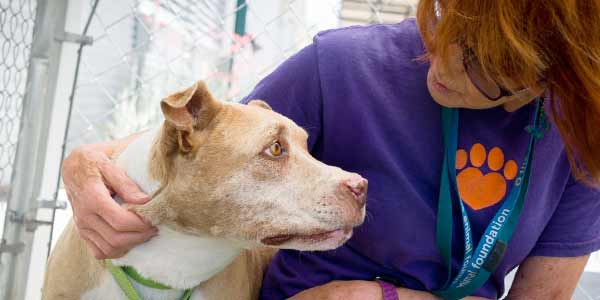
260,103
190,110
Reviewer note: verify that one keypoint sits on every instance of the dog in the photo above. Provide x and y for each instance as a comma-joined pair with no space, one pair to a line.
230,184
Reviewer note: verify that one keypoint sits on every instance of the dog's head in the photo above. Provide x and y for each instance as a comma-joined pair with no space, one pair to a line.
243,172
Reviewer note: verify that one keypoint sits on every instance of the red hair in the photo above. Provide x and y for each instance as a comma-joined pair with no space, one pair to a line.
523,41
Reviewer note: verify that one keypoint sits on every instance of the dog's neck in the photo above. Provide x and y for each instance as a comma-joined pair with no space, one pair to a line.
173,258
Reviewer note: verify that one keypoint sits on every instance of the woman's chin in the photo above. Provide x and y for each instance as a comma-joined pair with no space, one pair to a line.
444,99
447,97
446,102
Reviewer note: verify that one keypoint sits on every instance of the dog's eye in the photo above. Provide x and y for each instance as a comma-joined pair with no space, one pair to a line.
276,150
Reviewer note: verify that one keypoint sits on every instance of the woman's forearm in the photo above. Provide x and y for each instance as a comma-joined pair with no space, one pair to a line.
408,294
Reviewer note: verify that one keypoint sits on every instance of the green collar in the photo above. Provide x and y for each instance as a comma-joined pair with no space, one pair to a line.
122,275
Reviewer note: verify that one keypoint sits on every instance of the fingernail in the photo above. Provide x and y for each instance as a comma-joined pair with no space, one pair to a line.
141,197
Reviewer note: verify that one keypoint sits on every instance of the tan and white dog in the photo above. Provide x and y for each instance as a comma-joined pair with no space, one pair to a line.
226,180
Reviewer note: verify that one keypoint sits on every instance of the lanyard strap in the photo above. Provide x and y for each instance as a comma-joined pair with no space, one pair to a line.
121,276
478,265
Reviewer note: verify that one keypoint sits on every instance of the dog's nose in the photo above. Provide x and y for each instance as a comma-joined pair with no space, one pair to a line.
358,187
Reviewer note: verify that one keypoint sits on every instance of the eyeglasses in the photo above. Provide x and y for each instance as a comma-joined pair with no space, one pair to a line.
489,87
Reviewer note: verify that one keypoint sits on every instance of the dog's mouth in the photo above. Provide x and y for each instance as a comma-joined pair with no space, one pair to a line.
311,238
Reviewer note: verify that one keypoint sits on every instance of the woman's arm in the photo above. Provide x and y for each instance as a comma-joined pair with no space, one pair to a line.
543,277
361,290
90,177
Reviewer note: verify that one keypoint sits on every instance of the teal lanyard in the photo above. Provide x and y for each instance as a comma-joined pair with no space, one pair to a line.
478,265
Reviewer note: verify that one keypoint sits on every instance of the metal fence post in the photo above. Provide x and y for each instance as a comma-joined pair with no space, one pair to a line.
38,101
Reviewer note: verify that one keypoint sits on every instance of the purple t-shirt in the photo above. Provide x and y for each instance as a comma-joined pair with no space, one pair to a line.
361,94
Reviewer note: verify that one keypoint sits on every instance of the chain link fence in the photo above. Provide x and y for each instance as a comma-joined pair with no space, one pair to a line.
17,18
144,50
30,47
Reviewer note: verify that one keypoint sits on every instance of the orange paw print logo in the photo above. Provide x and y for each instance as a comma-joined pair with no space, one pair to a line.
480,190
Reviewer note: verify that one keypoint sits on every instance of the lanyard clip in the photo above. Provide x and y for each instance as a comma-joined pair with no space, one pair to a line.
540,129
496,256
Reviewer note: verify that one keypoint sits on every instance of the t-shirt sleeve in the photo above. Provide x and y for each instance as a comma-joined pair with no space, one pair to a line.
574,228
294,90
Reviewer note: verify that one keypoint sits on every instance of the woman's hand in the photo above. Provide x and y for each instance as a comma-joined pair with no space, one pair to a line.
361,290
342,290
90,178
357,290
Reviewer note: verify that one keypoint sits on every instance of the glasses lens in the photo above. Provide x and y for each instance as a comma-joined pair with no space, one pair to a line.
486,85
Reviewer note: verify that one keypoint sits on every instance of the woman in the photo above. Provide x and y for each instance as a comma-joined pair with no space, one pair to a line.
372,100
